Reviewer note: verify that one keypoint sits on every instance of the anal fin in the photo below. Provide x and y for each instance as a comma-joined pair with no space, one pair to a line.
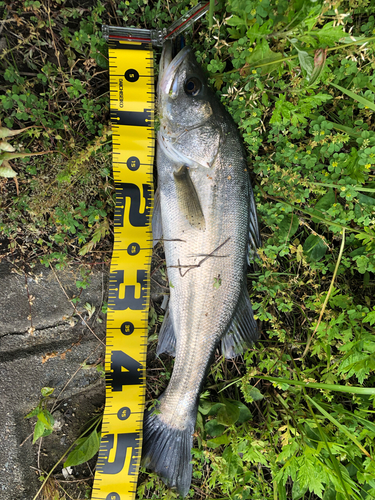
243,331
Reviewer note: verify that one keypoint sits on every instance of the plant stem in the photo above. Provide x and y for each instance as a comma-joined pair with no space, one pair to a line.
61,458
289,58
328,294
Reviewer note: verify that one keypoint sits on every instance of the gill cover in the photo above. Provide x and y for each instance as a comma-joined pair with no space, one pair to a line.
191,119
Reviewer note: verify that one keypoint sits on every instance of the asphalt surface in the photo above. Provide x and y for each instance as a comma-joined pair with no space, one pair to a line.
43,343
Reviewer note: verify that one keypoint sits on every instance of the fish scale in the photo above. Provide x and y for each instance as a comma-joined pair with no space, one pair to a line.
203,310
205,208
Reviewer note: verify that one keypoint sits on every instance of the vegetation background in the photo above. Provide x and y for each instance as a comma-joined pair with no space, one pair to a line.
294,418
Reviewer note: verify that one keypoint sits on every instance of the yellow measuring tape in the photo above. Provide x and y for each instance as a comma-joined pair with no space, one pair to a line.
132,116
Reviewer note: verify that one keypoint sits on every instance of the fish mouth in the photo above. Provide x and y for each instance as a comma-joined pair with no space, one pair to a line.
169,67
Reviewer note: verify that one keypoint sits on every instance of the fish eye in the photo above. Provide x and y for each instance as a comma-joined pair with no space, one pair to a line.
193,86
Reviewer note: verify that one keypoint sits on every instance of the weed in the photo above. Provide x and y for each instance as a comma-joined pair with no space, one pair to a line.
45,421
298,79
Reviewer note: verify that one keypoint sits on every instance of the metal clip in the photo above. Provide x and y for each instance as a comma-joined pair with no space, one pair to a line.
156,37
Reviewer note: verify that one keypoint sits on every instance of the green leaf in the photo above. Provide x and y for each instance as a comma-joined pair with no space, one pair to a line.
213,428
306,62
356,97
13,156
245,413
33,413
255,394
324,204
314,247
282,110
265,58
215,443
297,491
235,21
281,491
326,201
329,493
329,34
47,391
6,170
342,428
369,391
38,430
370,318
85,449
6,132
209,408
47,419
233,461
228,414
366,200
288,226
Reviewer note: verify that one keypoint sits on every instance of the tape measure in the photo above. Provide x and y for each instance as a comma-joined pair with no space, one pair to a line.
132,114
131,77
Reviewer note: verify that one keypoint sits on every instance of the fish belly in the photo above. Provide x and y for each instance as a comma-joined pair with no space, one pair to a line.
205,271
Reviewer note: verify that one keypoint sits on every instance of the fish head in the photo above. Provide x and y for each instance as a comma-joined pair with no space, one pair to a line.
191,116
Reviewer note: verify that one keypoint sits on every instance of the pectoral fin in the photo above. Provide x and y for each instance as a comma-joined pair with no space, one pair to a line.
188,200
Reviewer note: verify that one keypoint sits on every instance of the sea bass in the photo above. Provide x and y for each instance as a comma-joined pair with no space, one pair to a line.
209,228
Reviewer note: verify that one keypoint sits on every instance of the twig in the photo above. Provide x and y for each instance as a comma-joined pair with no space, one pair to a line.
71,378
327,297
193,266
40,445
57,52
24,441
61,458
74,480
74,307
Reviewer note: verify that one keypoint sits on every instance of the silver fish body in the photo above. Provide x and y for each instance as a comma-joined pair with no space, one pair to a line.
207,214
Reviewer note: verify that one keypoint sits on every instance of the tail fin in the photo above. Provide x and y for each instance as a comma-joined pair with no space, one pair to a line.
167,451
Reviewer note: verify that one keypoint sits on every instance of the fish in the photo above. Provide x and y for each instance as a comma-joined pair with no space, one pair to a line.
205,214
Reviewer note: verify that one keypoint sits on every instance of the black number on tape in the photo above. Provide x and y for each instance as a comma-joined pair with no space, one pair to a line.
126,190
128,301
133,163
131,75
113,496
123,413
124,371
133,249
126,443
127,328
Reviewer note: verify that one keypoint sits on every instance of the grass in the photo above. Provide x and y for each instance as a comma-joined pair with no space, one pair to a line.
294,418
